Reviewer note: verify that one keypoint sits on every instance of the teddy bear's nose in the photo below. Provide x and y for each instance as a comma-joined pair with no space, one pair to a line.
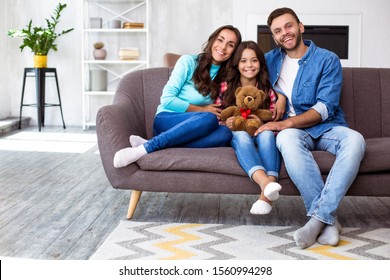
249,100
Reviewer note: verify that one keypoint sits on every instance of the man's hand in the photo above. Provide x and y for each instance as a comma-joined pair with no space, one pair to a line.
307,119
280,108
273,126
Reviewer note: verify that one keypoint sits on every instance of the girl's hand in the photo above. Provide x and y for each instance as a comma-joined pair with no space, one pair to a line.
229,122
253,116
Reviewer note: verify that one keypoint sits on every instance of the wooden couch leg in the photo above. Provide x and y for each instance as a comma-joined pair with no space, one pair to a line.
134,198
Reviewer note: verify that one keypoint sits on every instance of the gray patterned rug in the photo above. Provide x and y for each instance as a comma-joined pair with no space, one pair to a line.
172,241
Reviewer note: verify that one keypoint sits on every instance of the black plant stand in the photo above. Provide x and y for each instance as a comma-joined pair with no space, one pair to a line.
40,77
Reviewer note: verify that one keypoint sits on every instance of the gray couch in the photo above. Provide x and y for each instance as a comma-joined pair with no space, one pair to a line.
365,100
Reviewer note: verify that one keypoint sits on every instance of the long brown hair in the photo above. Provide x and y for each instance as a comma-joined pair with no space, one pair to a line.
233,74
202,80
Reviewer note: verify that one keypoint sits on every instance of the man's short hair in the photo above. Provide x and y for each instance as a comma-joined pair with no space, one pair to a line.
279,12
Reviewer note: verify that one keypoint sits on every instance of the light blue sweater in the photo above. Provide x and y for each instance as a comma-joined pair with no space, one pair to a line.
180,91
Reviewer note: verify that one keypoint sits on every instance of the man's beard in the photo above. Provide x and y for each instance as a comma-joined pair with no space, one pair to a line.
298,38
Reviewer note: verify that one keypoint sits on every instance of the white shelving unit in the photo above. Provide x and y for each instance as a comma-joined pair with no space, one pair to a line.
133,11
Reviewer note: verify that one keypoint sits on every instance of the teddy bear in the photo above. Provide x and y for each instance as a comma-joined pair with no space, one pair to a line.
248,101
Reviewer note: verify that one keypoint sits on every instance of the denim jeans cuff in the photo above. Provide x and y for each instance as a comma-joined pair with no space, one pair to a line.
254,169
148,147
274,174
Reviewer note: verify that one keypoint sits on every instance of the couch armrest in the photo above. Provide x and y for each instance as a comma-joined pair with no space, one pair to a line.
114,125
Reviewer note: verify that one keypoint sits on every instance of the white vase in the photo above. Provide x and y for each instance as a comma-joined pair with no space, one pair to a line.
95,22
98,80
115,23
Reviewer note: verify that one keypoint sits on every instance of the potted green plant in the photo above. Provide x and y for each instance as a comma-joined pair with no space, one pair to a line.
41,40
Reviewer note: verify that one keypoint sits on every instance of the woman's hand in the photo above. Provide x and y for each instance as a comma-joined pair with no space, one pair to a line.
212,108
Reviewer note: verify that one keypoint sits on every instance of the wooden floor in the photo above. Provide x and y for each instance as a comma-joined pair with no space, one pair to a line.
57,205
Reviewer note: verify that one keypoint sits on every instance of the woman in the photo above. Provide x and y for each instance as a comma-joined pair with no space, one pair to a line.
187,116
258,156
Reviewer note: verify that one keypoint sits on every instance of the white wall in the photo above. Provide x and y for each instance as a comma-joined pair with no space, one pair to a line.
374,15
180,26
183,26
4,95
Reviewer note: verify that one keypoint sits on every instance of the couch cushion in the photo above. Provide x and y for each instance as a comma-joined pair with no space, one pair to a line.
224,160
218,160
377,157
214,160
365,99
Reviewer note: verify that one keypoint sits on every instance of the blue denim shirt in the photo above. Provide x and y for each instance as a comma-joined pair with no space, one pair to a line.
317,85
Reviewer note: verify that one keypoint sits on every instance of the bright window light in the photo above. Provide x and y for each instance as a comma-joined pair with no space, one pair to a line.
49,142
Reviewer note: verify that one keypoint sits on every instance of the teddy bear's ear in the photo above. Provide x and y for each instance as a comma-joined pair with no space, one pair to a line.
237,91
262,95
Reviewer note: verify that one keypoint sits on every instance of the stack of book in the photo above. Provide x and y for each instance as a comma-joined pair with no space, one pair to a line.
128,53
127,25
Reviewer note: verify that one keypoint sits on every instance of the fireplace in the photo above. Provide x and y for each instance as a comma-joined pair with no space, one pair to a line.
331,37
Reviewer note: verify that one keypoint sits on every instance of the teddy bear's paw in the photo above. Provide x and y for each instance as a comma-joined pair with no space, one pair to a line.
251,130
252,126
265,115
239,124
253,122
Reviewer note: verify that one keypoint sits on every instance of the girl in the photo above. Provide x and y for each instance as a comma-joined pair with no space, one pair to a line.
187,116
258,155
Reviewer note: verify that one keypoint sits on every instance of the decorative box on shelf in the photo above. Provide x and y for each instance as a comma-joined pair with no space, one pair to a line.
129,25
128,53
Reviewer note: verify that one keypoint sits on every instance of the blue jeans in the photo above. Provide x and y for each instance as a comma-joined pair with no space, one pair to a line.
321,198
189,129
257,153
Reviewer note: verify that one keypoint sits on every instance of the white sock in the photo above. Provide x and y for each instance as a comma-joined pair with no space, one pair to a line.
260,207
271,191
136,141
307,235
128,155
330,235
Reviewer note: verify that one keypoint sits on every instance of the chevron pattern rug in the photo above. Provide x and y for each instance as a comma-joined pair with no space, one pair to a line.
172,241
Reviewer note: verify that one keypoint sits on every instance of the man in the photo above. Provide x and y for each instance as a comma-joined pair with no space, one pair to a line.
311,79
